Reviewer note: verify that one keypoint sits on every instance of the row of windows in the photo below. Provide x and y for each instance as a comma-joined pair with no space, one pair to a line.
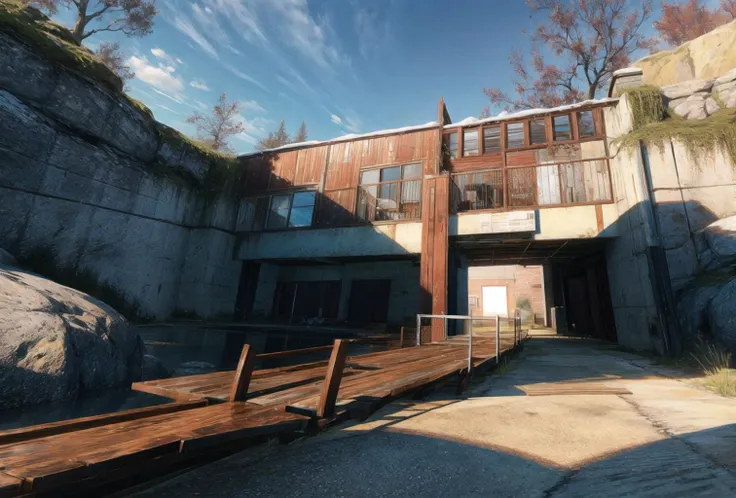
516,135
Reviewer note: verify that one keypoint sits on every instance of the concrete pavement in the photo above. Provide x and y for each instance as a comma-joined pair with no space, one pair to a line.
668,437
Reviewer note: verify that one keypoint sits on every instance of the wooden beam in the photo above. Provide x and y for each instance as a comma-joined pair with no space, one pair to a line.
331,385
243,373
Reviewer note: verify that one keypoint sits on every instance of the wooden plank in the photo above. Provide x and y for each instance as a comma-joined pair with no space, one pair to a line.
331,384
53,428
9,485
243,373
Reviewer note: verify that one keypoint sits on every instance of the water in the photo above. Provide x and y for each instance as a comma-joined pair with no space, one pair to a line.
87,404
220,347
215,348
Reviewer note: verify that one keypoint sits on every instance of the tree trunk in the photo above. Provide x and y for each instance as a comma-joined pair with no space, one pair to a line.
78,31
592,89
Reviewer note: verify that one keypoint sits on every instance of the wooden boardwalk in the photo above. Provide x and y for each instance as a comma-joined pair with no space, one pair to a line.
86,453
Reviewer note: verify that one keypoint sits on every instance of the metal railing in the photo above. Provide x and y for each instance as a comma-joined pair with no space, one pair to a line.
578,182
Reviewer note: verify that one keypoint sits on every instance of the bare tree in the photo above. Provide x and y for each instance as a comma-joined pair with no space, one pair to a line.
114,59
589,40
215,130
301,135
275,138
132,17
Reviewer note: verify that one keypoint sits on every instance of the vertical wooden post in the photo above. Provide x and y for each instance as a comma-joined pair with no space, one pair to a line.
243,373
331,385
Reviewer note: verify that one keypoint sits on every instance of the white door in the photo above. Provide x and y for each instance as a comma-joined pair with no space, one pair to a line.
494,300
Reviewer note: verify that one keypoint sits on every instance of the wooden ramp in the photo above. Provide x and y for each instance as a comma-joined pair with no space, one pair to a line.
248,404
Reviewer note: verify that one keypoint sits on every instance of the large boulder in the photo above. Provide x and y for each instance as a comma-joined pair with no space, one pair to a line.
722,315
706,57
153,368
56,342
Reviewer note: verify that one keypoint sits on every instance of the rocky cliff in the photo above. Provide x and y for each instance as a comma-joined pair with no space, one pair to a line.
704,58
99,196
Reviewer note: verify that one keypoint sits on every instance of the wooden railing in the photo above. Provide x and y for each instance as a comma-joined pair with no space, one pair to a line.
579,182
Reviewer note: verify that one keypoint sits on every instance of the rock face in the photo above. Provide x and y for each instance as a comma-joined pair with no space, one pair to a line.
709,305
706,57
153,368
56,342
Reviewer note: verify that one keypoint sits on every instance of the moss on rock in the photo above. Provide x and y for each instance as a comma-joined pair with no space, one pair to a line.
647,105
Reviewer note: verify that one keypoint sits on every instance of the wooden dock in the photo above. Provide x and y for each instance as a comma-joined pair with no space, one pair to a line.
215,410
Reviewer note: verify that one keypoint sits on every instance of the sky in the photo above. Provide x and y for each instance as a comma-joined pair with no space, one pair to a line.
342,66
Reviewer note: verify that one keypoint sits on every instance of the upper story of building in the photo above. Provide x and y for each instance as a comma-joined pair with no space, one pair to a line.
528,160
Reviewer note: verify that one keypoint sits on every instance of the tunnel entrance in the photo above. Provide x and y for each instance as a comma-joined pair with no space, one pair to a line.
558,283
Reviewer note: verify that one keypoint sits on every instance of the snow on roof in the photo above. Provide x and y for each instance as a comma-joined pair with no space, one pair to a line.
351,136
627,70
504,116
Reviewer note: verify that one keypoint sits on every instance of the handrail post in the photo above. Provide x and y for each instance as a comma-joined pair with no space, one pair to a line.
333,377
419,330
470,346
241,380
498,337
445,328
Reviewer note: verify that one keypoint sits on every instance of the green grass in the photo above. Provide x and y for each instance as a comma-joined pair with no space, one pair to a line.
647,105
717,131
54,42
715,362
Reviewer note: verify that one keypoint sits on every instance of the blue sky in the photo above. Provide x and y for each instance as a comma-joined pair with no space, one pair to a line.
343,66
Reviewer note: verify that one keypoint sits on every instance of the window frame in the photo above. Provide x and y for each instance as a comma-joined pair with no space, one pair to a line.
578,115
399,187
290,194
500,128
478,145
524,134
449,135
529,121
569,125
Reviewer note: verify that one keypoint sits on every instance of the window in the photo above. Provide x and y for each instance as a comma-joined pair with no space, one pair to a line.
537,131
451,144
514,135
391,193
291,210
562,128
492,139
470,143
586,124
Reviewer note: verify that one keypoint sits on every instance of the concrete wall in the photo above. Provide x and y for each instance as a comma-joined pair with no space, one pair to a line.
632,294
576,222
690,191
90,192
520,282
404,276
375,240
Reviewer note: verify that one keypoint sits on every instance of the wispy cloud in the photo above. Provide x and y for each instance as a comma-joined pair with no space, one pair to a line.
184,24
353,124
252,106
336,119
161,77
253,129
199,85
240,74
161,54
372,29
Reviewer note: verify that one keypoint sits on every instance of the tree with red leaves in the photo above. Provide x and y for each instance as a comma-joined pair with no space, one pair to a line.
588,39
113,58
681,22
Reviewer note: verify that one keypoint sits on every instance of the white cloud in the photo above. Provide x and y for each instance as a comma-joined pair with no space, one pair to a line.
171,61
199,85
253,129
252,106
161,77
353,124
240,74
161,106
184,24
336,119
372,29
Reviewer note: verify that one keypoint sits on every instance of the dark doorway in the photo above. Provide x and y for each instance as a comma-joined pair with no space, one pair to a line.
295,301
369,301
246,289
588,299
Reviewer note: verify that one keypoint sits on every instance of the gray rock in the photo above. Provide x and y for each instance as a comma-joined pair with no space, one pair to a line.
7,259
726,78
183,156
727,94
56,341
80,104
693,107
193,368
692,306
129,130
722,315
672,103
686,88
153,368
23,72
22,130
711,106
721,238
